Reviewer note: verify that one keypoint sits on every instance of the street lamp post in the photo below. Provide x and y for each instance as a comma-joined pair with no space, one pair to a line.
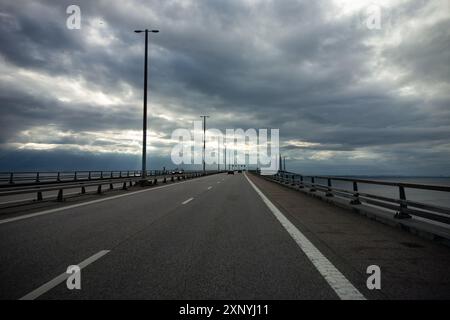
144,125
218,154
225,146
204,139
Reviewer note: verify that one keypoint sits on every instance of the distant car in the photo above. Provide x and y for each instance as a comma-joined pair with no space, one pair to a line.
230,171
177,171
239,171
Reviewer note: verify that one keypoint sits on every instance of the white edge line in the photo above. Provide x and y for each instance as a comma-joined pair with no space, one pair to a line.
338,282
48,197
59,279
187,201
82,204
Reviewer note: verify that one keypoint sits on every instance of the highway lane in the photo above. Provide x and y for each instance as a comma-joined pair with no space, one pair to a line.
222,243
37,248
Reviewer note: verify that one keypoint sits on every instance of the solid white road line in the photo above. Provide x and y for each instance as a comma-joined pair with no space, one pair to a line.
48,197
82,204
18,201
187,201
338,282
61,278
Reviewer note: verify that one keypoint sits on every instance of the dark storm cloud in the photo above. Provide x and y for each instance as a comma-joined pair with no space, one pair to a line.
292,65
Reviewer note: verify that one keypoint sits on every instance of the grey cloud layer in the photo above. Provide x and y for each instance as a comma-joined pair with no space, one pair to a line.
277,64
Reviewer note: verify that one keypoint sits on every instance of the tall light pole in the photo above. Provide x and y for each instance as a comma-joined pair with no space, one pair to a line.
218,153
225,145
144,125
204,139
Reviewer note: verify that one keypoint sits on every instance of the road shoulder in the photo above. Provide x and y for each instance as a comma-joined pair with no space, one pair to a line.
411,267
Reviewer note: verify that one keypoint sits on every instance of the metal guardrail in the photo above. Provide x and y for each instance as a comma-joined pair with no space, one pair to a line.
403,207
79,181
33,177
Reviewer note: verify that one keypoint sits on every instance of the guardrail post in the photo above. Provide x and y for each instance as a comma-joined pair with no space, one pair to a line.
178,178
124,187
165,180
89,176
39,196
76,176
99,189
301,186
111,186
101,174
60,195
329,191
313,188
37,176
11,178
83,190
172,179
355,199
401,214
112,175
293,180
155,181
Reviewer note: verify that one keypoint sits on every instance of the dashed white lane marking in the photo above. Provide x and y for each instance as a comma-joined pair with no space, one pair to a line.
187,201
209,188
62,277
338,282
82,204
218,181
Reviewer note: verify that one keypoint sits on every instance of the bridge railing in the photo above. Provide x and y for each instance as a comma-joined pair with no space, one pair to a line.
404,208
44,177
60,181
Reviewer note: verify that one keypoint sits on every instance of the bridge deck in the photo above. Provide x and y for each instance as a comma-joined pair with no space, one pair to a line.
212,238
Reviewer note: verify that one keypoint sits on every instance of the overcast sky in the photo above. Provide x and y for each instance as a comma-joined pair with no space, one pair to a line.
348,95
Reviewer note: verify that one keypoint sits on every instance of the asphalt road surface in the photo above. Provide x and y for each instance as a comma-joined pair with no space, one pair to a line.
215,237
